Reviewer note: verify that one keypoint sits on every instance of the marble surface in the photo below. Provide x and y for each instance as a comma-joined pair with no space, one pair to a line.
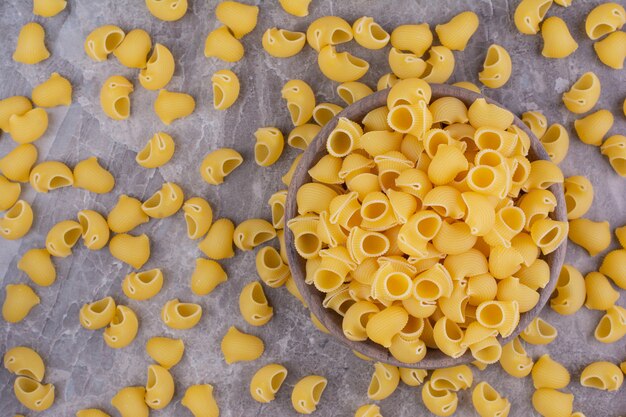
86,372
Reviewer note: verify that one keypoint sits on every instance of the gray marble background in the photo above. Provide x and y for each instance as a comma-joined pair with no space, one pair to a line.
86,372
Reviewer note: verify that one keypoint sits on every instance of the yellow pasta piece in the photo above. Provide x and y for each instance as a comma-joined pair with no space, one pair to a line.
19,300
600,293
126,215
514,360
614,148
368,410
341,66
98,314
31,47
51,175
604,19
132,250
414,38
200,401
91,176
129,402
33,394
557,40
102,41
602,375
170,106
198,217
24,361
439,65
225,89
95,230
481,113
37,264
384,82
456,33
168,10
179,315
328,30
299,8
369,34
620,234
612,267
497,67
55,91
222,44
556,142
48,8
548,234
266,382
218,164
254,306
302,135
240,18
157,152
324,113
206,276
548,373
468,86
536,122
488,402
114,97
592,128
253,232
271,268
281,43
133,51
549,402
384,382
15,105
165,351
583,94
28,127
612,326
123,328
594,237
439,402
405,65
529,14
159,68
612,50
159,387
269,146
17,221
143,285
238,346
539,332
307,393
16,165
165,202
218,243
62,237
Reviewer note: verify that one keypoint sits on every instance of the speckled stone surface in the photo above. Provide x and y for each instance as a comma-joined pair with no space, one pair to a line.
87,373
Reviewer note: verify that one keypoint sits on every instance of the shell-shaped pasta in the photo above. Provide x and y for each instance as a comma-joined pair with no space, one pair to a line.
157,152
126,215
414,38
548,373
376,120
405,64
487,351
481,215
62,237
218,164
240,18
278,200
225,89
536,122
481,288
467,264
179,315
600,293
325,171
453,378
448,110
537,204
612,50
254,306
382,326
514,360
583,94
50,175
557,39
269,146
198,217
133,51
369,34
95,230
37,264
386,81
414,119
17,221
602,375
552,403
29,126
413,377
307,393
440,65
539,332
529,13
447,163
31,47
33,394
165,202
238,346
594,237
90,175
271,268
411,92
548,234
468,86
159,68
168,10
592,128
102,41
353,91
604,19
504,262
456,33
253,232
281,43
199,400
488,402
356,318
48,8
132,250
556,142
222,44
438,402
302,135
114,97
328,30
170,106
481,113
143,285
24,361
206,276
614,148
299,8
18,302
159,387
123,328
448,336
12,105
497,67
500,315
324,113
314,198
98,314
55,91
165,351
129,402
454,238
510,289
266,382
384,382
341,66
300,101
306,240
368,410
612,326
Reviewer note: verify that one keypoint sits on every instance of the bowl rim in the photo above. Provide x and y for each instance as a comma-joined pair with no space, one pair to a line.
331,320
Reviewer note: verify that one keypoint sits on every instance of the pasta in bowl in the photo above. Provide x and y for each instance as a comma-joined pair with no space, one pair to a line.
417,245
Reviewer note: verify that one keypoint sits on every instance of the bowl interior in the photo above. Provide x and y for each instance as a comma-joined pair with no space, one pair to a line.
317,149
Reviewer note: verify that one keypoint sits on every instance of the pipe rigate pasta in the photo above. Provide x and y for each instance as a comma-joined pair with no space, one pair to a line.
28,127
356,318
37,264
368,410
277,207
181,316
31,47
456,33
165,202
126,215
114,97
369,34
328,30
24,361
170,106
548,373
454,378
515,361
439,65
556,142
613,267
386,81
602,375
133,51
168,10
600,293
165,351
157,151
253,232
592,128
414,38
225,89
543,174
98,314
468,86
497,67
614,148
55,91
253,305
143,285
446,164
448,110
222,44
266,382
271,268
536,122
583,94
529,14
410,91
612,326
557,39
218,242
539,332
325,171
159,387
405,64
48,8
341,66
549,402
548,234
269,146
301,136
200,401
62,237
218,164
500,315
413,377
198,217
324,112
95,230
414,119
33,394
446,201
132,250
510,289
604,19
17,221
206,276
91,412
123,328
50,175
488,402
314,198
9,106
382,326
19,300
344,138
307,393
129,402
481,113
592,236
384,382
281,43
447,336
158,70
376,120
299,8
439,402
240,18
102,41
611,51
90,175
238,346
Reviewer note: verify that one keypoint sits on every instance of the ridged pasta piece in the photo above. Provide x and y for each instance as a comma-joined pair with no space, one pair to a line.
177,315
341,66
504,262
159,387
48,8
200,401
612,326
129,402
454,238
165,202
368,410
98,314
612,267
159,68
353,91
369,34
548,234
481,113
448,336
132,250
453,378
24,361
480,215
439,402
126,215
539,332
468,86
238,346
414,38
253,232
266,382
324,113
240,18
103,40
497,67
165,351
448,110
549,402
143,285
592,236
37,264
614,148
325,171
123,328
15,105
602,375
28,127
448,162
376,120
414,119
198,217
537,204
33,394
307,393
114,97
556,142
218,242
269,146
133,51
548,373
62,237
225,89
405,65
281,43
557,39
167,10
418,230
299,8
384,382
510,289
439,65
501,315
583,94
218,164
529,14
170,106
222,44
55,91
386,81
19,300
509,223
592,128
355,320
17,221
600,293
514,360
301,136
481,288
31,47
17,164
536,122
300,101
382,326
456,33
50,175
292,288
95,230
488,402
306,241
328,30
604,19
90,175
611,50
206,276
253,305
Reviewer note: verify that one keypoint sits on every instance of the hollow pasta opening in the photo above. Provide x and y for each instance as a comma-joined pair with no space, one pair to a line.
118,318
271,259
218,95
154,57
543,9
122,106
488,393
401,118
261,237
145,153
488,354
308,243
435,393
388,180
514,219
192,226
377,32
490,158
604,329
374,245
257,294
294,111
489,140
601,30
229,165
147,277
277,380
564,278
492,315
153,201
152,379
619,165
261,152
186,310
482,177
545,329
298,142
374,210
427,290
413,326
552,134
27,385
428,227
493,56
453,331
323,115
327,280
584,83
520,173
374,386
340,142
346,95
340,36
357,62
59,181
278,213
15,212
290,36
99,306
112,41
398,284
550,236
593,382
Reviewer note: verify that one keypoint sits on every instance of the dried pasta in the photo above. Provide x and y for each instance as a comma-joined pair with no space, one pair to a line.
548,373
556,142
592,128
600,293
143,285
602,375
33,394
271,268
114,97
19,300
206,276
48,8
198,217
488,402
307,393
222,44
168,10
369,34
612,267
218,242
97,314
24,361
126,215
439,402
254,306
157,151
549,402
614,148
604,19
165,202
129,402
497,67
612,326
122,329
37,264
9,106
179,315
266,382
55,91
406,64
414,38
341,66
132,250
529,14
328,30
31,47
165,351
62,237
17,164
240,18
28,127
557,39
238,346
439,65
159,68
269,146
17,221
90,175
170,106
611,51
200,401
583,94
218,164
539,332
515,361
536,122
456,33
103,40
159,387
368,410
50,175
225,89
594,237
282,43
133,51
95,230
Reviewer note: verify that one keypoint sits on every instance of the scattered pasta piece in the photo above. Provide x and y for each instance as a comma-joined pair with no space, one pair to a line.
440,65
95,230
17,221
98,314
165,202
159,387
16,165
238,346
157,152
613,267
91,176
115,97
132,250
253,305
222,44
206,276
19,300
28,127
158,70
353,91
15,105
536,122
225,89
439,402
539,332
549,402
168,10
48,8
200,401
301,136
488,402
515,361
600,293
404,65
299,8
496,68
328,30
129,402
602,375
218,164
198,217
143,285
384,382
133,51
592,128
569,293
51,175
24,361
341,66
557,40
218,242
620,234
556,142
578,196
55,91
414,38
369,34
281,43
266,382
122,330
33,394
179,315
604,19
240,18
102,41
31,47
612,326
594,237
37,264
91,412
583,94
457,32
165,351
613,148
170,106
529,14
271,268
307,393
612,50
126,215
269,146
548,373
368,410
